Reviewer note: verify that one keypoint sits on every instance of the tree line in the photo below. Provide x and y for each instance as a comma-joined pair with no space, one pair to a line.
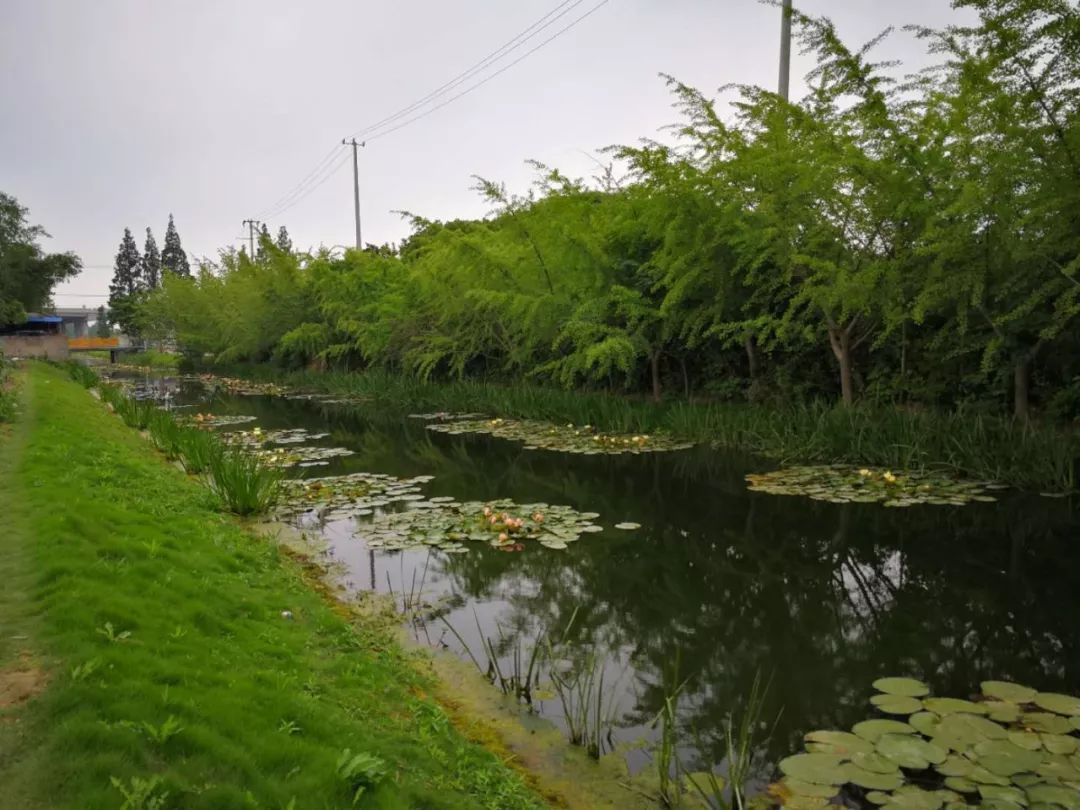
890,236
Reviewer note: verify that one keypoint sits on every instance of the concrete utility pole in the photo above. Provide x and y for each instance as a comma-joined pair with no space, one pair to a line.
356,188
785,51
251,223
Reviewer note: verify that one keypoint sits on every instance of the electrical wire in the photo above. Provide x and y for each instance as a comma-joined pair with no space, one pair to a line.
507,48
328,166
494,75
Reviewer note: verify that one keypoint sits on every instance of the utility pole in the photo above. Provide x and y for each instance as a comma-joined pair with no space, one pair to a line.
251,223
356,187
785,51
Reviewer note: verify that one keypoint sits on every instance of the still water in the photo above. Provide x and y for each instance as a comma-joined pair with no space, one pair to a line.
818,599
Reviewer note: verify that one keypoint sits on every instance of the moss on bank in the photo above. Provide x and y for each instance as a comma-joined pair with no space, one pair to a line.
159,631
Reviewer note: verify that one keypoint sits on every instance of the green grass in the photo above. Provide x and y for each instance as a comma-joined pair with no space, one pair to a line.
244,483
7,391
152,359
1031,456
172,669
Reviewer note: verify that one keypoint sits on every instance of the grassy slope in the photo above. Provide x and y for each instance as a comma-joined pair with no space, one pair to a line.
98,531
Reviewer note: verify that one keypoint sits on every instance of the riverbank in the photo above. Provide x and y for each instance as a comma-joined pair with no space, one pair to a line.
151,646
1030,456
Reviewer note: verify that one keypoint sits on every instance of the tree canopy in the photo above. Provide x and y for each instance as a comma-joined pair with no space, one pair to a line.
27,273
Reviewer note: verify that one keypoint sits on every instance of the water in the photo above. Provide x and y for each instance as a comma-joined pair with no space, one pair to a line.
818,598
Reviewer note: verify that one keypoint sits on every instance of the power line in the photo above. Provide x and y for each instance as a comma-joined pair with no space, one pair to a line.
328,166
494,75
508,47
330,172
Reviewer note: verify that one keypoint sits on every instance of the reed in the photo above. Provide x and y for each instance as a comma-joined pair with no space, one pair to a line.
196,449
243,483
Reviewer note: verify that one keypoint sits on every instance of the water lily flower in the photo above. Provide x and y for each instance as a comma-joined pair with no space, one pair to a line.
504,538
865,473
888,476
538,517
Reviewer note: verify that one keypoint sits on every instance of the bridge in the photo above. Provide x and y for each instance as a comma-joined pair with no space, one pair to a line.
75,321
115,346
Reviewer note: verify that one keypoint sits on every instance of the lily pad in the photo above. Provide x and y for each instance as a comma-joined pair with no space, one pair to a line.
873,729
954,765
1005,759
910,751
629,527
1046,722
874,762
961,785
1004,793
925,722
906,687
584,439
842,743
1009,692
798,788
1026,739
945,705
1059,743
870,779
1059,704
1001,711
896,704
817,769
1054,794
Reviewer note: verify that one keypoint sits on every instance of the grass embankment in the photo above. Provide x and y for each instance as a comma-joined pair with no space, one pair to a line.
1032,456
154,630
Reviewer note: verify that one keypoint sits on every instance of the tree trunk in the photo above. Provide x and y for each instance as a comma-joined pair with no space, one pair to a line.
751,356
654,362
1022,388
840,339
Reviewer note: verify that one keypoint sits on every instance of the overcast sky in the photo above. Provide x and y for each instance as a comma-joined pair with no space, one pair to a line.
118,112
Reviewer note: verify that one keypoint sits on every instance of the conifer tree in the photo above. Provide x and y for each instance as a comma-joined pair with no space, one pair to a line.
263,239
127,283
284,243
151,262
173,257
101,328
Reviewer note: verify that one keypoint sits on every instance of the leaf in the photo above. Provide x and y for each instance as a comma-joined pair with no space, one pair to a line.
904,687
1007,691
896,704
1059,704
817,769
872,729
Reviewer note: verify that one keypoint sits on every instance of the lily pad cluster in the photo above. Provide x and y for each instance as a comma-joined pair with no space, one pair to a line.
451,526
585,440
247,388
843,484
257,437
444,416
1010,747
219,420
347,496
298,456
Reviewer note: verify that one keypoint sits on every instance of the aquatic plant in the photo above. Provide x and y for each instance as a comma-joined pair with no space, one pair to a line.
1010,746
81,373
840,484
243,483
345,496
165,433
134,412
569,438
196,449
449,525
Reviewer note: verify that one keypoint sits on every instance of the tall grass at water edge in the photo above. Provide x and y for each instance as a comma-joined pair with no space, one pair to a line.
243,483
1030,456
7,391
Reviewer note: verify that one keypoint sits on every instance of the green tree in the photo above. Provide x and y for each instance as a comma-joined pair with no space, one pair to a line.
101,325
27,273
283,242
151,262
126,286
173,257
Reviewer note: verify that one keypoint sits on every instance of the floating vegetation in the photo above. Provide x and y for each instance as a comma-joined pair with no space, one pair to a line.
841,484
244,388
1011,747
298,456
219,420
628,526
451,526
537,435
444,416
257,437
345,496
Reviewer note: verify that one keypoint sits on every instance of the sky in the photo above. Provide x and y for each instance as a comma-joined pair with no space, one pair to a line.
117,113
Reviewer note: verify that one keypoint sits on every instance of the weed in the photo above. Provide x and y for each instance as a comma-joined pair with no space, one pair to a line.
243,483
110,633
82,374
196,449
163,733
360,772
140,793
81,672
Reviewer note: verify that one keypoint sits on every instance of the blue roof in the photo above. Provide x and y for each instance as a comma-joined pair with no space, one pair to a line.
44,319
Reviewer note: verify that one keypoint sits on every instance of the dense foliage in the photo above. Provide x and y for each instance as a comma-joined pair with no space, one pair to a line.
896,238
27,273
